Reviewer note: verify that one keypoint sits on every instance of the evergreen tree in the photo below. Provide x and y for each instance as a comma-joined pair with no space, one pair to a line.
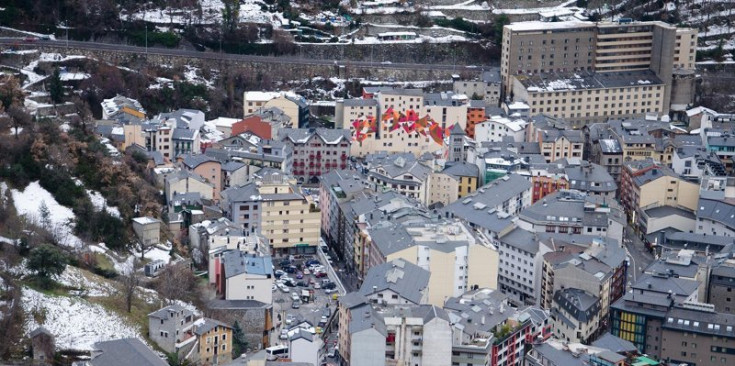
239,344
45,215
47,261
56,88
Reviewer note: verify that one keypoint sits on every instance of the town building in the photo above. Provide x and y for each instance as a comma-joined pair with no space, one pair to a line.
316,151
396,282
253,151
274,207
488,331
574,212
292,105
122,109
575,315
455,257
148,230
170,327
587,60
207,167
498,128
400,172
304,347
242,276
486,88
124,352
490,209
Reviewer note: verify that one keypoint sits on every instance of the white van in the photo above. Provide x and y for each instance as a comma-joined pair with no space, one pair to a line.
276,352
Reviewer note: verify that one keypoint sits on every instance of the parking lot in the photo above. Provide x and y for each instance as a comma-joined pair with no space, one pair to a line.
312,311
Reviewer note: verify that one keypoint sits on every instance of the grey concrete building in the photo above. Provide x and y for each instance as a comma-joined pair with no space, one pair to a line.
168,326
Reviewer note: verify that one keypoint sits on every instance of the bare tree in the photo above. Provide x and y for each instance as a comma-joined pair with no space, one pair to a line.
178,282
129,283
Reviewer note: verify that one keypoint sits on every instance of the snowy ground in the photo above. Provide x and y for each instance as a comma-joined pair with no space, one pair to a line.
92,284
76,323
99,203
250,11
61,219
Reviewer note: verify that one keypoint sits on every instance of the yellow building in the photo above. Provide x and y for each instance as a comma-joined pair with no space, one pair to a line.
273,206
453,183
214,342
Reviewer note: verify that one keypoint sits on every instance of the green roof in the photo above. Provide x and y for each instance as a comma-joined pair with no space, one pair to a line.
642,361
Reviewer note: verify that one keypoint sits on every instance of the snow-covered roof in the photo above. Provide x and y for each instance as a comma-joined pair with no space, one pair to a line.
144,220
538,25
259,96
697,110
225,121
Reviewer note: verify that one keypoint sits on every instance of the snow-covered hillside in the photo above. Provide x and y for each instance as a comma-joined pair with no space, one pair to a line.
28,203
76,323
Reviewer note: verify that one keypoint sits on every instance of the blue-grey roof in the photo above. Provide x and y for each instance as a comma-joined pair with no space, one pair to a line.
492,76
237,263
590,177
615,344
580,304
232,166
361,102
480,310
395,165
352,299
183,134
559,357
462,170
719,211
405,279
168,311
479,208
125,352
679,287
302,334
192,161
365,317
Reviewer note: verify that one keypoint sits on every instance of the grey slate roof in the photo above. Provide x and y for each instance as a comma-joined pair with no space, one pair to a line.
615,344
590,177
194,160
237,263
580,304
302,334
653,174
480,310
462,170
237,304
475,208
679,287
232,166
405,279
404,92
492,76
365,317
559,357
183,134
205,325
720,211
125,352
165,313
352,299
396,165
361,102
302,135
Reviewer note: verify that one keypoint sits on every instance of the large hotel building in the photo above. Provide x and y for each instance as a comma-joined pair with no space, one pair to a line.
586,72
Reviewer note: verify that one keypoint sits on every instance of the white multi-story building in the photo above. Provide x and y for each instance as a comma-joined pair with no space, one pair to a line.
400,172
496,128
241,276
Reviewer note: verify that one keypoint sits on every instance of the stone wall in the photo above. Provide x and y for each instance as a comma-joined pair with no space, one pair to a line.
296,69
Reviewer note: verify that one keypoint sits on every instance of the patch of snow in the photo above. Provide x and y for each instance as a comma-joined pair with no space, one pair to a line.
123,267
39,35
157,252
57,57
61,218
75,323
9,241
19,52
74,277
100,203
67,76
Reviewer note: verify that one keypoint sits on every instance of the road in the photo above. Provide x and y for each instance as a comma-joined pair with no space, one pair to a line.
96,46
640,257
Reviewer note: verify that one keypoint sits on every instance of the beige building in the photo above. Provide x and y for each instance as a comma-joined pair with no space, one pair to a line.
531,49
457,260
276,208
384,133
583,97
290,103
148,230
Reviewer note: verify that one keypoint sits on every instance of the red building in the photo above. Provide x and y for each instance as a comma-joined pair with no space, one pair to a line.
317,151
544,185
475,115
252,124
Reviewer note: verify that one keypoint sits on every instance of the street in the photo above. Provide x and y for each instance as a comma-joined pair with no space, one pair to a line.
640,257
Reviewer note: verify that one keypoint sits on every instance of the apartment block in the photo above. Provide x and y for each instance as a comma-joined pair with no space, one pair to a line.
273,206
568,60
316,151
242,276
487,87
401,172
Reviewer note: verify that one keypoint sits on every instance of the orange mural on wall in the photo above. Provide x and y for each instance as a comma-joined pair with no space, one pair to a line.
409,121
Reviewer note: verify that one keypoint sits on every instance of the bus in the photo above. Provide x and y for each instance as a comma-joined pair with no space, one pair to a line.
276,352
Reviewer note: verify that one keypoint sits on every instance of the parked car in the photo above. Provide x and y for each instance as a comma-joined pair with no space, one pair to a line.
294,296
299,275
329,285
278,273
284,334
306,272
330,353
296,304
289,283
320,274
311,262
285,263
284,288
290,269
302,284
330,290
290,318
317,285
